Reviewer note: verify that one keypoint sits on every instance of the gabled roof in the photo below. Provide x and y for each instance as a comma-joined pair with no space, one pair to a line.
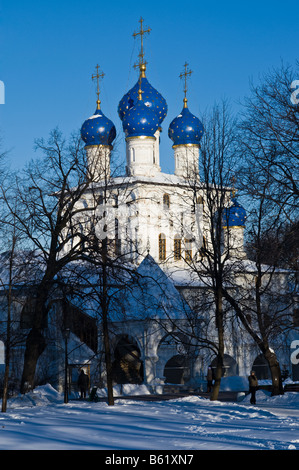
152,294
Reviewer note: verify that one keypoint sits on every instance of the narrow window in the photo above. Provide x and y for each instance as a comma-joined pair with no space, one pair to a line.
203,248
166,201
162,247
188,249
177,248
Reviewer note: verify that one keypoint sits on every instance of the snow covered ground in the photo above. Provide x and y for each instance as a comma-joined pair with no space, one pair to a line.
41,421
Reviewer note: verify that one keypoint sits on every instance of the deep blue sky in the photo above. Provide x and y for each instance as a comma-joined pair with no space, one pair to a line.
49,50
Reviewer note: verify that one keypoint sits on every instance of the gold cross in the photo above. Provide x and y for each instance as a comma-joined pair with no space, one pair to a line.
97,77
141,33
185,75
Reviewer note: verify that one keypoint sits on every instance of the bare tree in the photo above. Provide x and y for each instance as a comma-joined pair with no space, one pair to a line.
269,139
211,196
48,192
105,266
270,136
255,294
218,166
263,299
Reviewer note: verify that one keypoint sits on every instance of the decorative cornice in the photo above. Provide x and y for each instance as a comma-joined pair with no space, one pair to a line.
186,145
141,137
110,147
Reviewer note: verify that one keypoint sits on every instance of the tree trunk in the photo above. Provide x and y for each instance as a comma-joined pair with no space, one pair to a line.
35,346
108,363
277,386
105,302
220,355
218,375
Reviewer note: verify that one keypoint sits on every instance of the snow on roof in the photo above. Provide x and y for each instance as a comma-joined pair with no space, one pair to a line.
152,294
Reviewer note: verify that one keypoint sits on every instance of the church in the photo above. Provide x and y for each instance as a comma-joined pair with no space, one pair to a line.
158,225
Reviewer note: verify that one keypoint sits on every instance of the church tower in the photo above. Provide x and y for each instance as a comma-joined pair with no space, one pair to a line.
186,131
98,133
142,110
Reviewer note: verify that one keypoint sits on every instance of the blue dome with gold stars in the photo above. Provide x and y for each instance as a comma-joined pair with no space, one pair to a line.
235,215
185,128
150,96
98,130
140,120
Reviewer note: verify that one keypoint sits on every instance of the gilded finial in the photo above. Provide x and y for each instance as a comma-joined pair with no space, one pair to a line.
97,77
141,62
184,75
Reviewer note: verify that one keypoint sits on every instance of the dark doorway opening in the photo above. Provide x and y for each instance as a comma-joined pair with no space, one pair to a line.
176,370
127,365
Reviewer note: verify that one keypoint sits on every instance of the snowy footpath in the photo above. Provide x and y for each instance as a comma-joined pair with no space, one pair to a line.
41,421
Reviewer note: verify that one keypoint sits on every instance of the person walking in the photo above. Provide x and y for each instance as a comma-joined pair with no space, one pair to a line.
83,382
209,379
253,385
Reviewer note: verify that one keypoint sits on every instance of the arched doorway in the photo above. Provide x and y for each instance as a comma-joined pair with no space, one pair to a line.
261,368
174,359
230,366
176,370
127,365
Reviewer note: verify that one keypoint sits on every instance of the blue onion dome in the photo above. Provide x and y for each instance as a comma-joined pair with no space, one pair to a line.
185,128
140,120
98,130
151,97
235,215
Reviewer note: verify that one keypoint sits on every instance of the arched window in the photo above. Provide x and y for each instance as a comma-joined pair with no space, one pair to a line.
203,248
177,248
188,249
166,201
199,206
162,247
